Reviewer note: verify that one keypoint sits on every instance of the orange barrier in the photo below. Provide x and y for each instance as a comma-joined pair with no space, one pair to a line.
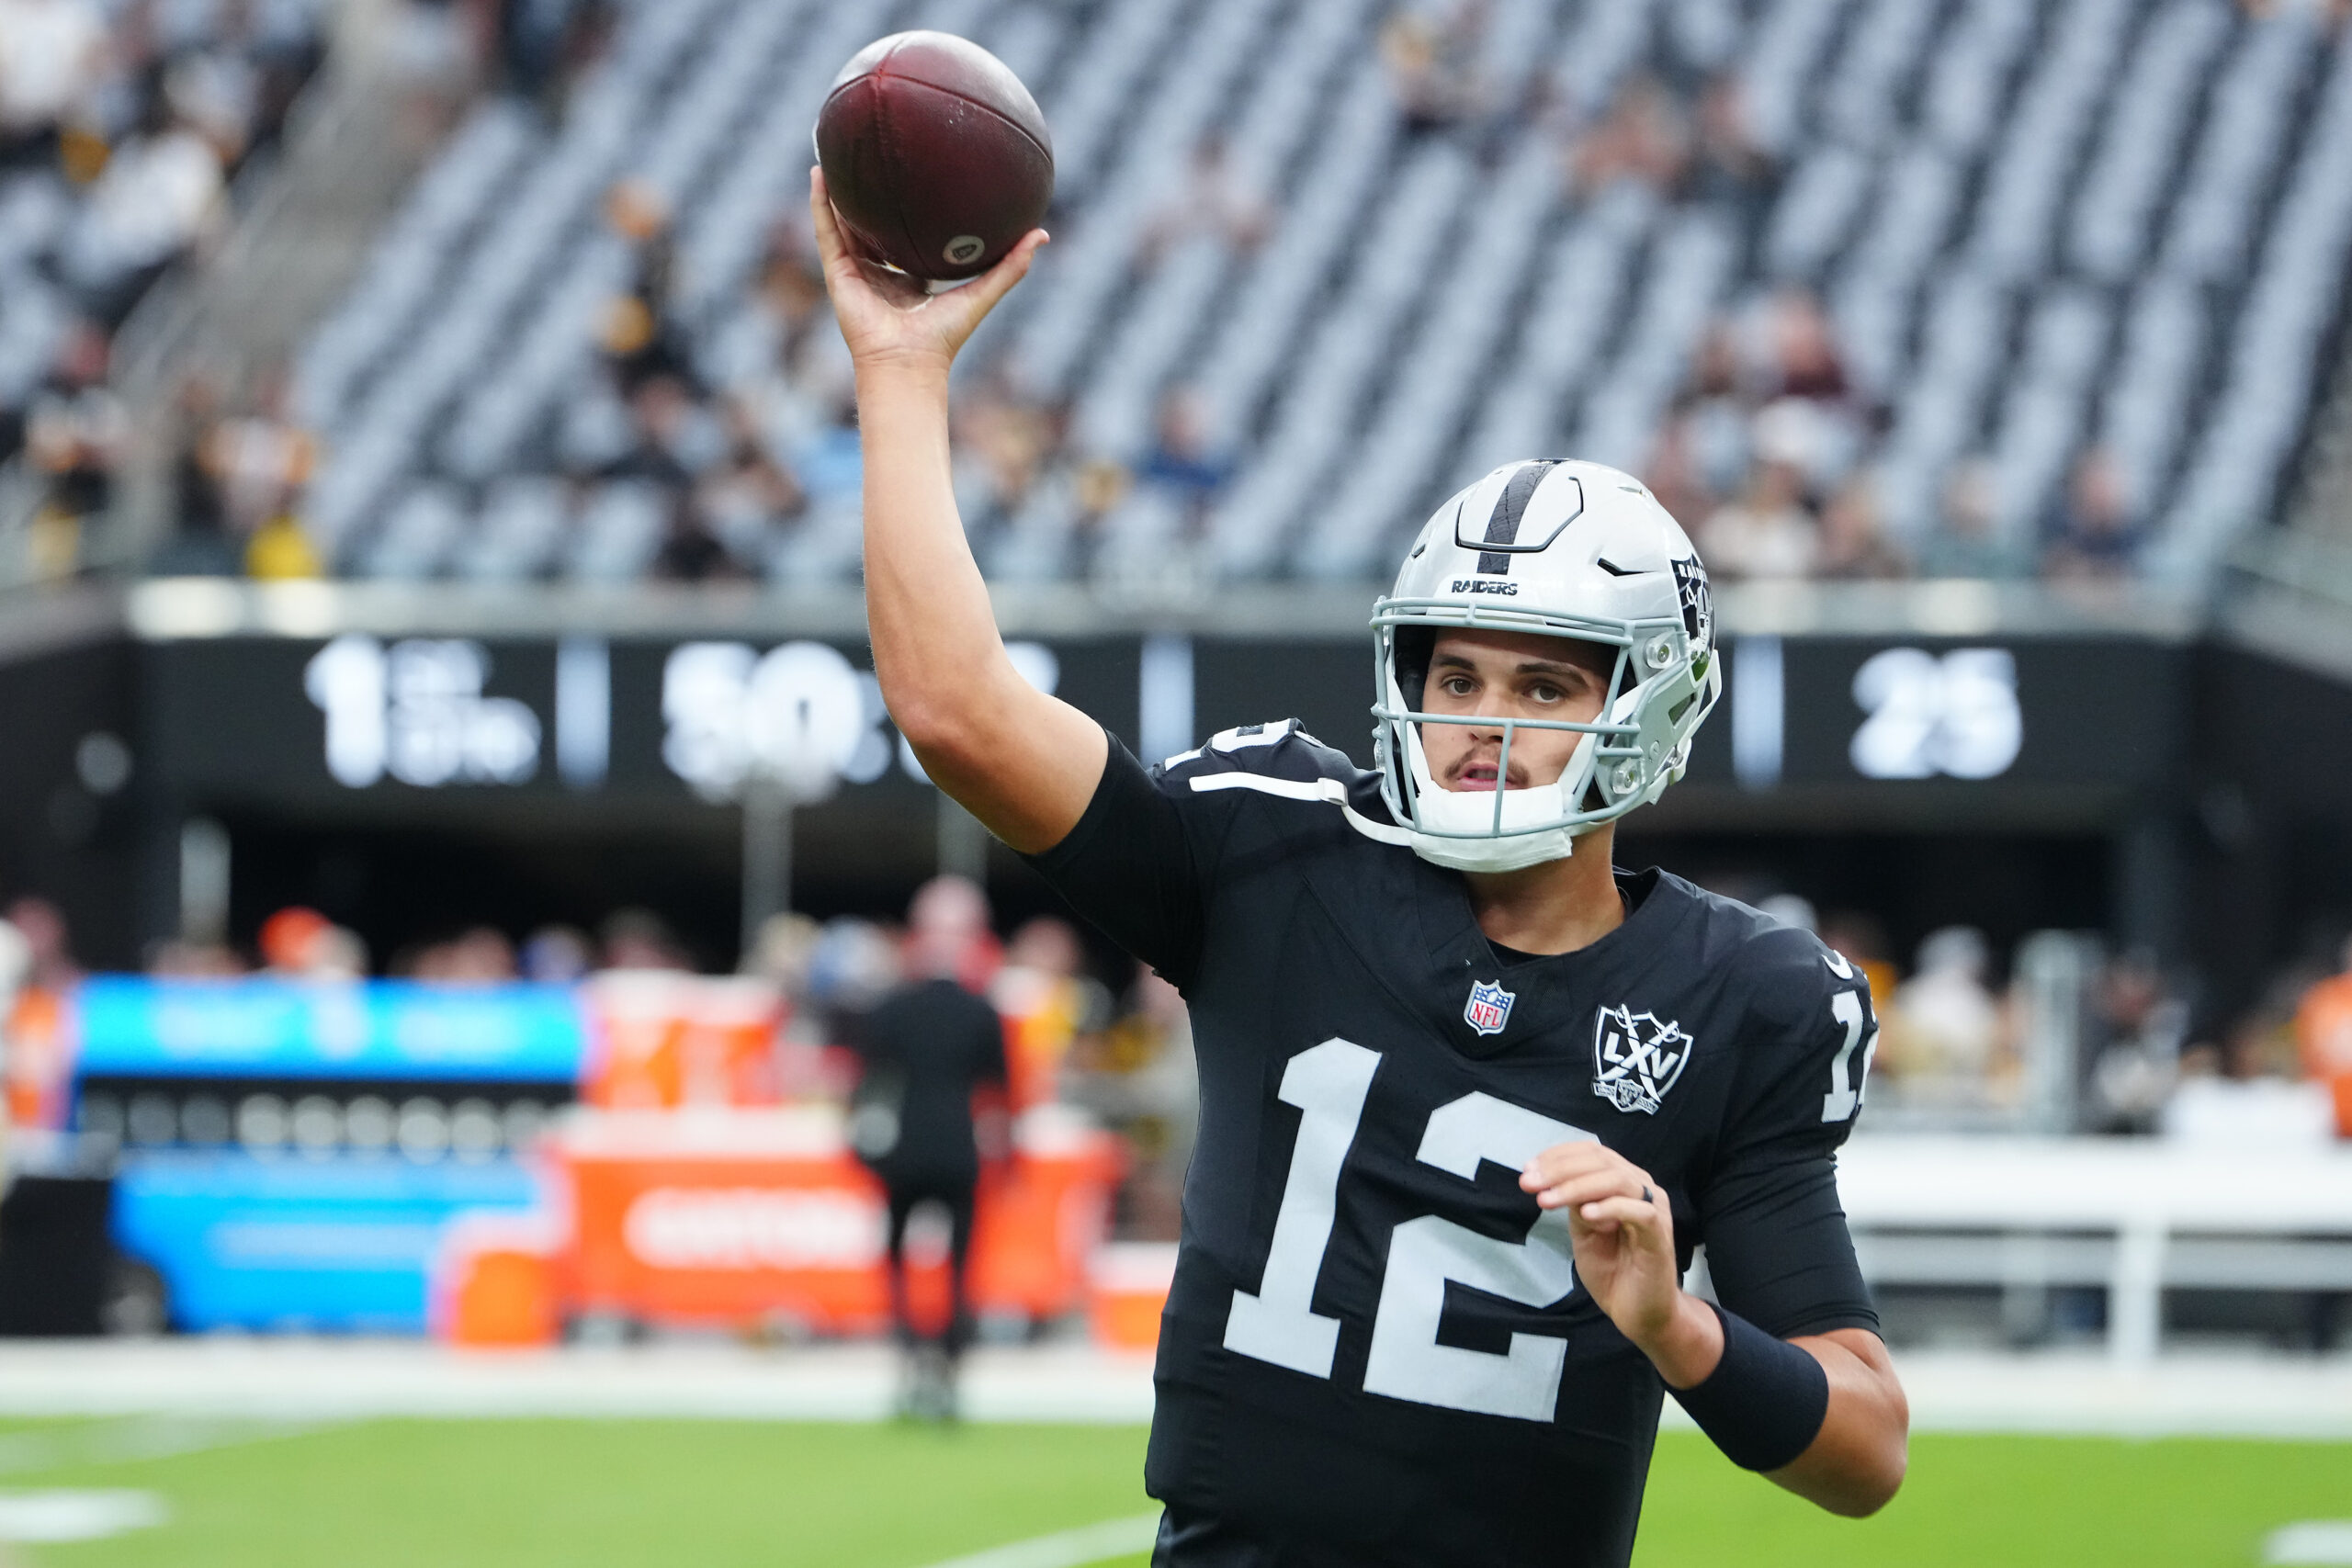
39,1064
2323,1032
739,1216
499,1282
660,1039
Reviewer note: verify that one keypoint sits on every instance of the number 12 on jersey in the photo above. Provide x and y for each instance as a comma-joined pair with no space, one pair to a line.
1278,1323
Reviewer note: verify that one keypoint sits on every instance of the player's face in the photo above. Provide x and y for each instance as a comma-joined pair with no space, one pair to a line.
1500,675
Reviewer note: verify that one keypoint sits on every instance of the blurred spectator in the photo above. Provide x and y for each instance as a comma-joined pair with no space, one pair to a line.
783,950
947,933
1140,1077
1004,442
784,953
49,948
545,45
2095,535
50,53
750,500
850,967
1766,533
2324,1038
1096,487
177,958
690,552
674,438
925,1053
280,550
1181,464
557,956
639,939
260,460
1717,414
1048,1005
160,193
298,943
74,432
261,463
1805,362
1213,201
200,544
1675,475
1942,1035
778,354
1733,168
642,337
1643,139
1853,545
2245,1093
481,957
1433,64
1967,541
2141,1027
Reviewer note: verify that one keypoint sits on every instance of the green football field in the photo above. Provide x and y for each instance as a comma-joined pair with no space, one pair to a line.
584,1494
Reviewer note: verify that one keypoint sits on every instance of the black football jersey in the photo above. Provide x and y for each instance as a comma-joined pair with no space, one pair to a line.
1375,1350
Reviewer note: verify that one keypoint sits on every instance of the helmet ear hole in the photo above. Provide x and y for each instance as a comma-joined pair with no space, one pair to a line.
1414,648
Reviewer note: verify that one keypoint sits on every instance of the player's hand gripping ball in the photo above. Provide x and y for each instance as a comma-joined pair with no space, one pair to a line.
935,157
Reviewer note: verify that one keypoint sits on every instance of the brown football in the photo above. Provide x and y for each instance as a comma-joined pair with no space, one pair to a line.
934,154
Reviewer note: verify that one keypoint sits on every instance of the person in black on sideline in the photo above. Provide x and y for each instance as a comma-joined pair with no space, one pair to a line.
929,1049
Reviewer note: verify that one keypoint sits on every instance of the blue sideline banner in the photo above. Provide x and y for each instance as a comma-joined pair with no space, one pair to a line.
373,1030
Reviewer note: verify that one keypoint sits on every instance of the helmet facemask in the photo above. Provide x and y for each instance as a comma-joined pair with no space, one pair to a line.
1570,551
1628,752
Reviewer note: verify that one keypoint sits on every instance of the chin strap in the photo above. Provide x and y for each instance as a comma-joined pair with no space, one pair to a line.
1332,792
1382,832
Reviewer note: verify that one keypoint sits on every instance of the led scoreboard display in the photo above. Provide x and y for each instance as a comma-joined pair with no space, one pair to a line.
260,718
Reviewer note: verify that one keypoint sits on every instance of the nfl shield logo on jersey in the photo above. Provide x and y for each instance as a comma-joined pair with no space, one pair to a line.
1637,1058
1489,1007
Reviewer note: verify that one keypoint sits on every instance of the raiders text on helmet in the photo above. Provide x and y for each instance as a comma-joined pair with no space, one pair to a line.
1563,549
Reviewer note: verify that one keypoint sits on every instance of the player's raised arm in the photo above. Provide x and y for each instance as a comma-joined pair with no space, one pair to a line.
1023,762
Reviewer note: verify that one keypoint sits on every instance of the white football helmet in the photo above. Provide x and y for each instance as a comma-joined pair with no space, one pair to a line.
1564,550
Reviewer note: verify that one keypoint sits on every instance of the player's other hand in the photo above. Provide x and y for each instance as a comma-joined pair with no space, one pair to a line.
884,316
1623,1229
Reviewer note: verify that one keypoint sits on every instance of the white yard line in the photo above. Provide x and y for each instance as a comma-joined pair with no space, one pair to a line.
2313,1542
223,1389
78,1515
135,1437
1071,1549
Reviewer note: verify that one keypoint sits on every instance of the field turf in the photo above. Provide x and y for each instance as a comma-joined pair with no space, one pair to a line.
588,1494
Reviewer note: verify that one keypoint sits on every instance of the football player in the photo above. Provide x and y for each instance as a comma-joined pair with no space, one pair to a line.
1470,1099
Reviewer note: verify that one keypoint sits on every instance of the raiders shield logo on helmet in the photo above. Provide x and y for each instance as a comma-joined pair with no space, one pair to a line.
1636,1057
1698,604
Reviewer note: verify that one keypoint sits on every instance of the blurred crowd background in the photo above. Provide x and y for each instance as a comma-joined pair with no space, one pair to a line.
1961,1024
1978,291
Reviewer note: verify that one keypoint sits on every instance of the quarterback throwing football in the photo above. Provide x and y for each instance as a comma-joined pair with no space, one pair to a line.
1469,1097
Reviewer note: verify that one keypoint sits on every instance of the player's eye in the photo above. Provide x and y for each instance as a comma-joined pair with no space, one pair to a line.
1545,691
1456,686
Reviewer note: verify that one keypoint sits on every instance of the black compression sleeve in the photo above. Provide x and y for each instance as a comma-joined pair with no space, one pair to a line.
1779,1252
1764,1403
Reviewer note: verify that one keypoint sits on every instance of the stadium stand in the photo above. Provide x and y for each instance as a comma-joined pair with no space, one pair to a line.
127,131
1976,286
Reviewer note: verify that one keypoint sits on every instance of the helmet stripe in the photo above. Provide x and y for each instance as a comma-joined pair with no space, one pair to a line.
1502,523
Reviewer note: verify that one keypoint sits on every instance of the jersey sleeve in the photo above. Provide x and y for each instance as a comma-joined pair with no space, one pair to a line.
1778,1250
1142,863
